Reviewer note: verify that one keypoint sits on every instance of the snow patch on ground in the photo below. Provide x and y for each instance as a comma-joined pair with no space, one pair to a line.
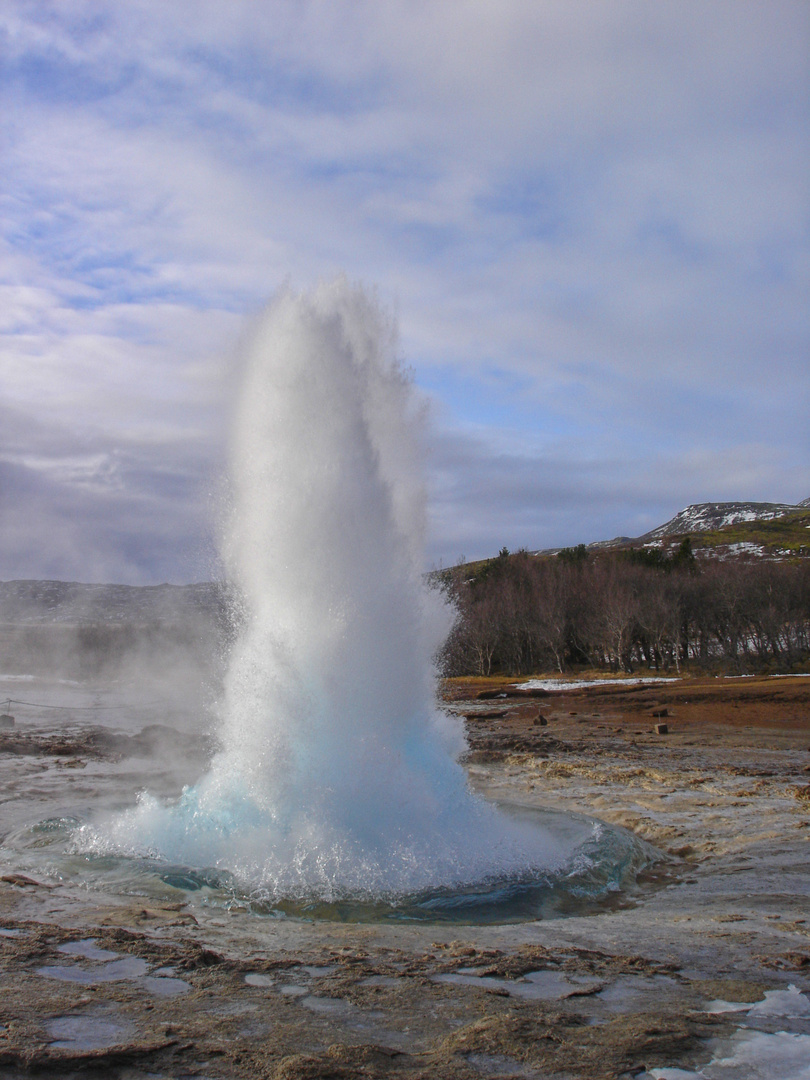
742,547
791,1003
756,1055
578,684
796,675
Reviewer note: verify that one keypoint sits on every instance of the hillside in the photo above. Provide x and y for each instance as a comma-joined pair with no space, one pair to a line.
784,537
725,530
706,517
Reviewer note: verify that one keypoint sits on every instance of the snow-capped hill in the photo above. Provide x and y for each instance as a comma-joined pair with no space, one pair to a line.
705,517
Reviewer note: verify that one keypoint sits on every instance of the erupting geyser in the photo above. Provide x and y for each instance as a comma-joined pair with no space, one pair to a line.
337,776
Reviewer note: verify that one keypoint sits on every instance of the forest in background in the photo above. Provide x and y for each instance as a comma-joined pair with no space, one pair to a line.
625,611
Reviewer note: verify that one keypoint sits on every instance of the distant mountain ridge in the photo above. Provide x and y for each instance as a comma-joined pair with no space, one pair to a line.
73,603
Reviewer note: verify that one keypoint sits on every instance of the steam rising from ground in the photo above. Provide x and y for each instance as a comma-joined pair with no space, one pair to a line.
338,773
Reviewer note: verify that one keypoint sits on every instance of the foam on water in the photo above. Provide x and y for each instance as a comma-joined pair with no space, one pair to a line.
338,774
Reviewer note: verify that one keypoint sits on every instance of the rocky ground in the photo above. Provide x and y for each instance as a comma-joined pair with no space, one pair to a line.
112,986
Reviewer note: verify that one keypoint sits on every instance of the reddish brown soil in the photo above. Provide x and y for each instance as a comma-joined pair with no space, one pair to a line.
757,712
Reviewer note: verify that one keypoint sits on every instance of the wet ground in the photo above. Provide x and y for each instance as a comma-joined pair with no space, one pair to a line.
109,984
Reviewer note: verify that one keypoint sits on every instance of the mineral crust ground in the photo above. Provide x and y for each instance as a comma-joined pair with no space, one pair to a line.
103,985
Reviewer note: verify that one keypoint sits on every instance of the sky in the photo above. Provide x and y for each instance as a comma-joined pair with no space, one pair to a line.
590,218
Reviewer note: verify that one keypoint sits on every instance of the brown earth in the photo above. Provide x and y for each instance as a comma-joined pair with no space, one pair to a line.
735,713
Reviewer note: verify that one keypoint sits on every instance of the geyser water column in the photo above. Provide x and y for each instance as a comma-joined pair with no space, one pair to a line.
330,725
337,775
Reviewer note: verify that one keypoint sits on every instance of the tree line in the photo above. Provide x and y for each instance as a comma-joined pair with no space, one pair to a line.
624,611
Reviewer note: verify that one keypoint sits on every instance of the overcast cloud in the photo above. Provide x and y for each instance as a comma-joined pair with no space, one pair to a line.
590,218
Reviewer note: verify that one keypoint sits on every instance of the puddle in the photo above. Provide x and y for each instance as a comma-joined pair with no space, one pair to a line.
84,1032
535,986
338,1009
257,979
106,968
629,992
164,987
546,985
497,1065
328,1006
8,933
381,980
456,978
128,967
314,971
88,949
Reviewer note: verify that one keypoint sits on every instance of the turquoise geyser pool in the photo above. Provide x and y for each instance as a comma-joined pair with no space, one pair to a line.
599,867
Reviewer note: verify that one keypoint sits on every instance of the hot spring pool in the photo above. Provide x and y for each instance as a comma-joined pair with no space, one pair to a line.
604,867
